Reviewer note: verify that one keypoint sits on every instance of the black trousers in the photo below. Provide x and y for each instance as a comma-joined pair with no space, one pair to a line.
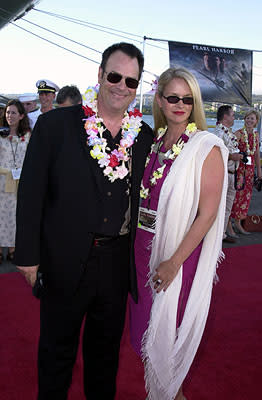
101,300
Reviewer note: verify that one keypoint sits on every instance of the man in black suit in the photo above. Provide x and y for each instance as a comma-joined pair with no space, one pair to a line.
76,222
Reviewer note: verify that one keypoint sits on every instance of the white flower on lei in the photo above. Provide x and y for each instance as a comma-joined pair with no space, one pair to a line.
157,174
96,152
134,124
103,162
132,105
126,141
161,132
176,149
144,191
122,171
108,170
90,96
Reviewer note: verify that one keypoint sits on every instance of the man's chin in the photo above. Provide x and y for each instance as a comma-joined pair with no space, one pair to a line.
120,103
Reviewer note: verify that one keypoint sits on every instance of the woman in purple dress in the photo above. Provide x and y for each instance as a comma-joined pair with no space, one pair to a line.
179,235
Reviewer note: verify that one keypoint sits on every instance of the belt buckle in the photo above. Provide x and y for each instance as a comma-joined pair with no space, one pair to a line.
96,243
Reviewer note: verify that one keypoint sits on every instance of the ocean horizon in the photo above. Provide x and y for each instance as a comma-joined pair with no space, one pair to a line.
211,122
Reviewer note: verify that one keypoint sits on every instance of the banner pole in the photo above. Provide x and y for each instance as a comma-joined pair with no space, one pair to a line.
259,129
142,79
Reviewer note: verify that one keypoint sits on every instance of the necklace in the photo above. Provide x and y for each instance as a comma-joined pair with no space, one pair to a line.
16,139
245,138
114,162
168,155
221,126
232,139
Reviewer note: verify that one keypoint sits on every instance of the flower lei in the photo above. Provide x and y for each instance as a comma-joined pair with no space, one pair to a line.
113,162
245,138
221,126
232,137
16,138
169,155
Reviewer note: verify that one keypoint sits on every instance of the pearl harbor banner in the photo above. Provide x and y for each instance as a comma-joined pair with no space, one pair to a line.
224,74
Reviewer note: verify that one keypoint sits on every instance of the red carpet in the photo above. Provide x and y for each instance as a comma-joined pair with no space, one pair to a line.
228,363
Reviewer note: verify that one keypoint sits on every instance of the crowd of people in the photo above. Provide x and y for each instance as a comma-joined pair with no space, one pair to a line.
17,121
145,213
244,157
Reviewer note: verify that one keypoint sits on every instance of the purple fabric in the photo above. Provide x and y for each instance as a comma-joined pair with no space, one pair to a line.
139,314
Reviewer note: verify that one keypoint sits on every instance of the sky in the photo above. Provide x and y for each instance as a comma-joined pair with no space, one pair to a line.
26,58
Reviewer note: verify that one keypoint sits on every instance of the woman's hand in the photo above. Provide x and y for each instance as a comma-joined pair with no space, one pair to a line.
165,274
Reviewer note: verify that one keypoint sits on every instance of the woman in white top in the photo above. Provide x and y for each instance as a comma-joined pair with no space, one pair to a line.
13,144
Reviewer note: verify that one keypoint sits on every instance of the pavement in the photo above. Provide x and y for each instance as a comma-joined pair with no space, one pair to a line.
243,240
255,237
6,266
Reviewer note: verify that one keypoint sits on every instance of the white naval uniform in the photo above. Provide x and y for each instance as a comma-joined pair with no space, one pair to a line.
33,115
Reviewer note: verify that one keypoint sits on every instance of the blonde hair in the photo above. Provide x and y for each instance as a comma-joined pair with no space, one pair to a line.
197,114
252,111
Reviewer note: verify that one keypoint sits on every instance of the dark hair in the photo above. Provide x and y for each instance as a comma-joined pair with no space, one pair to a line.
127,48
71,92
222,110
24,125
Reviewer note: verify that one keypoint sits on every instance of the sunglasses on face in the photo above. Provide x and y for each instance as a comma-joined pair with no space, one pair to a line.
176,99
114,77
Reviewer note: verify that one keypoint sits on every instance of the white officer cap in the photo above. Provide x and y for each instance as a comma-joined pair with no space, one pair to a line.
27,97
44,85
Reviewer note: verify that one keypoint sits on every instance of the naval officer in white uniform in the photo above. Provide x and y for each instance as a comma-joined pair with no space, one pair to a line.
29,101
47,93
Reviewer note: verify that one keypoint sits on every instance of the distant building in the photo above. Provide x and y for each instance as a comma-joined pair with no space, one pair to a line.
236,107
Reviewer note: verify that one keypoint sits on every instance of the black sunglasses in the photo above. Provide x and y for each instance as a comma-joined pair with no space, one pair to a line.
176,99
114,77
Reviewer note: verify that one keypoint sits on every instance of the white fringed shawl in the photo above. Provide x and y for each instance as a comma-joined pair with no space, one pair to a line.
168,353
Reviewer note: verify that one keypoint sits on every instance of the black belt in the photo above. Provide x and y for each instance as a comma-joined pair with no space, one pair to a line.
230,172
100,241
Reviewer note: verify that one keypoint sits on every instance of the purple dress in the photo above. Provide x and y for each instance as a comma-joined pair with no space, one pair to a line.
139,314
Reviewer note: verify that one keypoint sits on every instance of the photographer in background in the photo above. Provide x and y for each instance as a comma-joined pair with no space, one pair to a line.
248,143
225,121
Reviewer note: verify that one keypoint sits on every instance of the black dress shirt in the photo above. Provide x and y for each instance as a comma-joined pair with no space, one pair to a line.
114,196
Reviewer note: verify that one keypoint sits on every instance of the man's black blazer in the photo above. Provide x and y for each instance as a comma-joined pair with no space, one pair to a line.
58,201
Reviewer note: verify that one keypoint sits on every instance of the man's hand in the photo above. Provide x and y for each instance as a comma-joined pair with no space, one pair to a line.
29,273
235,157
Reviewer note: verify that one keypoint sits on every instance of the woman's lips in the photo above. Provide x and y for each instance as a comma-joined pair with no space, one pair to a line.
179,112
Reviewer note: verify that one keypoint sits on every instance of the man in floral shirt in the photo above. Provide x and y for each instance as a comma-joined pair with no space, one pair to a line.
225,121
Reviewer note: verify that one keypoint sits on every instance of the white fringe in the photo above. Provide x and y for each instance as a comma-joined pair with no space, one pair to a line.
167,352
